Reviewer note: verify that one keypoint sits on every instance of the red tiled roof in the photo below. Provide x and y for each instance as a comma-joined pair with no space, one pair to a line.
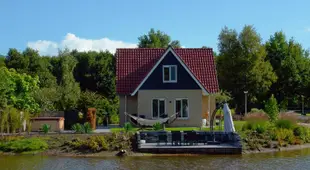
133,65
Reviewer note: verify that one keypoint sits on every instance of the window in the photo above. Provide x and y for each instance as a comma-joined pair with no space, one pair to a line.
169,73
181,107
158,107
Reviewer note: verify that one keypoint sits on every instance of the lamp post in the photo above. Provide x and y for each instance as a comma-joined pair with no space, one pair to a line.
245,102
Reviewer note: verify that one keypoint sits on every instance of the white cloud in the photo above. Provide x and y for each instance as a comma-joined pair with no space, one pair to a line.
71,42
307,29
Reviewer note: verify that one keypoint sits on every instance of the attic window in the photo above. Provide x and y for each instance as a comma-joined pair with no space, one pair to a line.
169,73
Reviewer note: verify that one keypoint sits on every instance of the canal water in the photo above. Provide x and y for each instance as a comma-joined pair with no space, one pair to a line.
298,159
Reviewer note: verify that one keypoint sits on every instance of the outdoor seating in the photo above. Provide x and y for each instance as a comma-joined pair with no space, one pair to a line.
190,137
176,138
202,137
162,137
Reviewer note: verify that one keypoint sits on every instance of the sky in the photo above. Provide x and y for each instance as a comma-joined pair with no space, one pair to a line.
106,25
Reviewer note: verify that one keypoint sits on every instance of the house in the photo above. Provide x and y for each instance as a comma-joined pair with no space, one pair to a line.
151,82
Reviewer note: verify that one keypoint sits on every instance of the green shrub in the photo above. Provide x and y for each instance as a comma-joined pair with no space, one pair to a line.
284,124
271,108
87,128
77,128
94,143
24,145
285,135
303,133
157,126
258,126
46,128
114,119
128,127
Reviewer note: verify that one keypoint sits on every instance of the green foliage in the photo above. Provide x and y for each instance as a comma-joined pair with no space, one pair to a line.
87,127
241,65
113,142
223,96
157,126
284,124
103,106
258,126
69,89
114,119
157,39
46,128
128,127
271,108
77,128
303,133
23,145
285,135
11,120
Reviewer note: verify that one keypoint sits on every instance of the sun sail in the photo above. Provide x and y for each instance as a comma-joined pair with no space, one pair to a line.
151,122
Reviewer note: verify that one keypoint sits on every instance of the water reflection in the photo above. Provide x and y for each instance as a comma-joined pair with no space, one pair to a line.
299,159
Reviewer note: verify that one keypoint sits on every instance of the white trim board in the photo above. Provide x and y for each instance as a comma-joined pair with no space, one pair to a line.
180,61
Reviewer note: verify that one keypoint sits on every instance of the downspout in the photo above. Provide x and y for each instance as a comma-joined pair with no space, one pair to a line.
209,109
125,108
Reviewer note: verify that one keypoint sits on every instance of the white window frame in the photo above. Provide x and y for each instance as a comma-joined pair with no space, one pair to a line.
175,109
176,74
159,99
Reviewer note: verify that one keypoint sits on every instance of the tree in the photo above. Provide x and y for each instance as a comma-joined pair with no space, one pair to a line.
241,65
157,39
17,61
68,88
271,108
16,90
291,65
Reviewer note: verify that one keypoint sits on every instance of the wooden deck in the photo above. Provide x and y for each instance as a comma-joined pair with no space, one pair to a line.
199,148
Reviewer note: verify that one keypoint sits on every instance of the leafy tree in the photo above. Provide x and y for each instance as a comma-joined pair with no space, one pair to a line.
68,89
271,108
241,65
291,65
157,39
47,98
17,61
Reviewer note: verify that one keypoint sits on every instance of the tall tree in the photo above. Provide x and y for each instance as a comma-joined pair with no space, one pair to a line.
291,65
242,67
157,39
17,61
69,89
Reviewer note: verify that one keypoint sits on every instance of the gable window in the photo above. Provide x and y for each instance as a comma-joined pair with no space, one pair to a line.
181,107
169,73
158,107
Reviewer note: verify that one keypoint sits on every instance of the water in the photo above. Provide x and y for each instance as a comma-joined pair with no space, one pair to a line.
299,160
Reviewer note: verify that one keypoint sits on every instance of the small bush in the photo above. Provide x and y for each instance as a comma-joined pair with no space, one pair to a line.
303,133
114,119
77,128
112,142
271,108
284,124
46,128
87,128
293,117
258,126
24,145
157,126
128,127
286,135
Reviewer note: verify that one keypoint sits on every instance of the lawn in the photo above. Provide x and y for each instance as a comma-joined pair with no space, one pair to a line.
238,127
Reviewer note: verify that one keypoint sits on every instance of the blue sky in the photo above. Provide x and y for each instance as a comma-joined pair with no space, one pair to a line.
103,24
